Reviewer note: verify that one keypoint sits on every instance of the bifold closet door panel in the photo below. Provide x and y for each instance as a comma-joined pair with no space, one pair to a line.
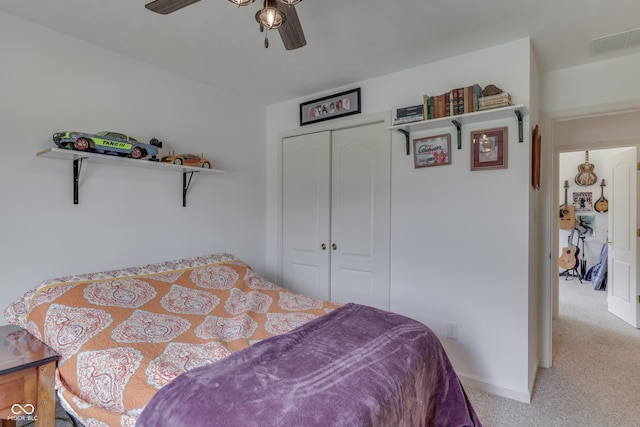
306,184
360,215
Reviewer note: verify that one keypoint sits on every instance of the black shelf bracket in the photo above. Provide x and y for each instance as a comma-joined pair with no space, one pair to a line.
407,137
458,126
520,131
185,186
77,166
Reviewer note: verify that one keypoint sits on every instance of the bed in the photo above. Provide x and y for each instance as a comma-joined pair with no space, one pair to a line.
206,341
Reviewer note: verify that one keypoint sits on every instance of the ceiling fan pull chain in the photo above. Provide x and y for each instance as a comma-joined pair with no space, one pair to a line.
266,35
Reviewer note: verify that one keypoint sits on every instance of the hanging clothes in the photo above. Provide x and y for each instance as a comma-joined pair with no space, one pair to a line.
598,273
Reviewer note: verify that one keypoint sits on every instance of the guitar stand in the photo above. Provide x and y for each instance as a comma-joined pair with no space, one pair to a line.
571,273
583,259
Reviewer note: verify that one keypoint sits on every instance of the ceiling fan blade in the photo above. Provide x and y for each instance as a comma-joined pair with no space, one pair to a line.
291,31
165,7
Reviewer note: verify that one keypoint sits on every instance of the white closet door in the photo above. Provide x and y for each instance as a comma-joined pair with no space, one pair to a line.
360,215
306,214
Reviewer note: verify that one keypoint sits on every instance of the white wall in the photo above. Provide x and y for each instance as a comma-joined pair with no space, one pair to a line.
460,239
610,83
50,82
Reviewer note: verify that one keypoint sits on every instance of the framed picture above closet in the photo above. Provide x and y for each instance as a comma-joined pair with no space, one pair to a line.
330,107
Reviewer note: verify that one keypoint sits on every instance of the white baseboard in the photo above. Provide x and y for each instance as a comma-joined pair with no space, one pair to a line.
521,395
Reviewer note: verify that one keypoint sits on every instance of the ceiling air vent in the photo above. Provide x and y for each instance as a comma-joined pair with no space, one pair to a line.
624,40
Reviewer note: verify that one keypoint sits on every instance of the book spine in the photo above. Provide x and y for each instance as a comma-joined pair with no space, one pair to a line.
468,99
500,99
447,105
494,103
408,119
425,107
453,96
455,104
477,94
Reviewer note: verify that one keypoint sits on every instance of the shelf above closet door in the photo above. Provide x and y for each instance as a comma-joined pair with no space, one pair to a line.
512,111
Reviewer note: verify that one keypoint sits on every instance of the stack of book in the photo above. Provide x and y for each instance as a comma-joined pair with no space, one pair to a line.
457,101
461,100
495,101
411,114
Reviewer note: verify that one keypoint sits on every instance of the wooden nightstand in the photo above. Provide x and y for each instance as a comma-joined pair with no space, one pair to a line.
27,378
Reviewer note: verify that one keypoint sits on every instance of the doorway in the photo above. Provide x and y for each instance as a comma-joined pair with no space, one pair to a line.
582,247
576,134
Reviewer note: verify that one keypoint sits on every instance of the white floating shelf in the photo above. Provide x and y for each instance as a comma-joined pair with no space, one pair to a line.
107,159
517,111
78,157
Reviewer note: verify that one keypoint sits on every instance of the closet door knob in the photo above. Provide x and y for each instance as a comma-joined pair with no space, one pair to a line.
323,247
334,246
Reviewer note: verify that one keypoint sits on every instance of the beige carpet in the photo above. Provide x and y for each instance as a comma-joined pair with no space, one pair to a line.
595,378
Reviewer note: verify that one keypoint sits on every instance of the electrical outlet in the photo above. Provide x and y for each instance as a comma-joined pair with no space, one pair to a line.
452,331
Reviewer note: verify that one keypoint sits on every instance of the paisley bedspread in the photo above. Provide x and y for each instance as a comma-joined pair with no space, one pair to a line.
123,335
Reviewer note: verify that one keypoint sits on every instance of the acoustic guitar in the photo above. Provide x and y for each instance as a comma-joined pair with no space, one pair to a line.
585,176
567,214
569,257
602,205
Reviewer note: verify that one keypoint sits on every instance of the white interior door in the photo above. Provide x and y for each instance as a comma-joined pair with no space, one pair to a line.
622,283
360,218
306,214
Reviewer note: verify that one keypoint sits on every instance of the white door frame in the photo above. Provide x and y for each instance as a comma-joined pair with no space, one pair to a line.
548,302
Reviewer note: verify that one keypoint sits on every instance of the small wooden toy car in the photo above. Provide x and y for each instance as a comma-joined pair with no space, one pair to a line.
187,159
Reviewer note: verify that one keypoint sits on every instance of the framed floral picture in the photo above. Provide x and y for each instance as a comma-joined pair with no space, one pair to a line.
432,151
489,149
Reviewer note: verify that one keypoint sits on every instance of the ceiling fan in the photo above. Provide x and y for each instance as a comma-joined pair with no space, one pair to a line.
280,14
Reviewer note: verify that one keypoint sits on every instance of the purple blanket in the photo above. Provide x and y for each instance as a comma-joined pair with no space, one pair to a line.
356,366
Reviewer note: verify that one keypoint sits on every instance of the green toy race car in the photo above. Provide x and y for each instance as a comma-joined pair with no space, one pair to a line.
107,143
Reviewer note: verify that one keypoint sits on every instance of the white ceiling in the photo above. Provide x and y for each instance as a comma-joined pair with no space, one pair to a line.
216,43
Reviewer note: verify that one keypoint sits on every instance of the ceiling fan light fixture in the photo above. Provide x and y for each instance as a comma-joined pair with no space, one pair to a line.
270,16
242,2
